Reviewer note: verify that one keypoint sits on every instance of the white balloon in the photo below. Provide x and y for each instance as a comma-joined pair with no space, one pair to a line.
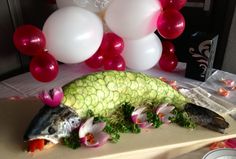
133,19
142,54
91,5
73,34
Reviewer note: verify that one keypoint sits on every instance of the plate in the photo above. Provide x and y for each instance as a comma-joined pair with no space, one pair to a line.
221,154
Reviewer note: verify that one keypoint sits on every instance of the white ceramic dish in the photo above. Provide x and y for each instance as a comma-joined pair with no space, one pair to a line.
224,153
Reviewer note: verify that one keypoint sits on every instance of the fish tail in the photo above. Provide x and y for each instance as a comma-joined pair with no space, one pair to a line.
206,118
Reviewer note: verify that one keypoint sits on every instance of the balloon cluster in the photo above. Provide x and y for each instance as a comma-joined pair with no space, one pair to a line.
30,40
170,25
109,54
75,33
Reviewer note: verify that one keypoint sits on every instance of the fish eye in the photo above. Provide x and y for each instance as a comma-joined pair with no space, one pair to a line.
75,122
51,130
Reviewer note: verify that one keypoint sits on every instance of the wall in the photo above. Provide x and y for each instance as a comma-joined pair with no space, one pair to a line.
10,60
229,63
14,13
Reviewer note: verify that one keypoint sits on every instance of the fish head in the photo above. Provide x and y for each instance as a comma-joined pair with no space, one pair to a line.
52,124
206,118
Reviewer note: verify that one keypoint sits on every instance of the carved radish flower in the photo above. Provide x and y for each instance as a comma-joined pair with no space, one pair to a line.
92,135
52,97
164,112
139,117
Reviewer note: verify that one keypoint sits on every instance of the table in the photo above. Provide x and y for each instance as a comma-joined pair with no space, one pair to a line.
24,86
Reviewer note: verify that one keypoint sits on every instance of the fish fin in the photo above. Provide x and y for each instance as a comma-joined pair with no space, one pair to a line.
206,118
215,128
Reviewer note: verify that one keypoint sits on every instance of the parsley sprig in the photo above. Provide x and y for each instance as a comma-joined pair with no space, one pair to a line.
182,118
72,141
154,119
126,126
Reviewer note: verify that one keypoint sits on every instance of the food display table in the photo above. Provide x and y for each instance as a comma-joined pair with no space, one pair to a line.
18,105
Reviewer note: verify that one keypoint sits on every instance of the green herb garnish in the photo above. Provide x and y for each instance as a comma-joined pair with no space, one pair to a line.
124,126
90,113
127,111
154,119
181,118
72,141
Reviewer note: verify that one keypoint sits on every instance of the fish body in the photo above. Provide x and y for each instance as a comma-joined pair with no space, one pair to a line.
104,93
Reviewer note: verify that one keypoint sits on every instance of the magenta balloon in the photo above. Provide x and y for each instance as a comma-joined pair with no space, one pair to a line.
112,44
168,47
29,40
96,61
170,24
168,62
115,63
44,67
173,4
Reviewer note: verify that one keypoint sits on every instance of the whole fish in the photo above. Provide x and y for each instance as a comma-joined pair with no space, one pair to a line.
104,93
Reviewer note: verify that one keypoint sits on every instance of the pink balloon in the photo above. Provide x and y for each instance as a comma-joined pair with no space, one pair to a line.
170,24
44,67
29,40
173,4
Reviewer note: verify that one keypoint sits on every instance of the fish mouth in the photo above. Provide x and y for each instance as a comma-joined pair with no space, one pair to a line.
40,143
51,140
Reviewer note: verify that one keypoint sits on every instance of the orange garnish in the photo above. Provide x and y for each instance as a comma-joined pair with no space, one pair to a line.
218,145
90,138
163,79
138,121
233,88
175,87
223,92
228,82
172,83
161,115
